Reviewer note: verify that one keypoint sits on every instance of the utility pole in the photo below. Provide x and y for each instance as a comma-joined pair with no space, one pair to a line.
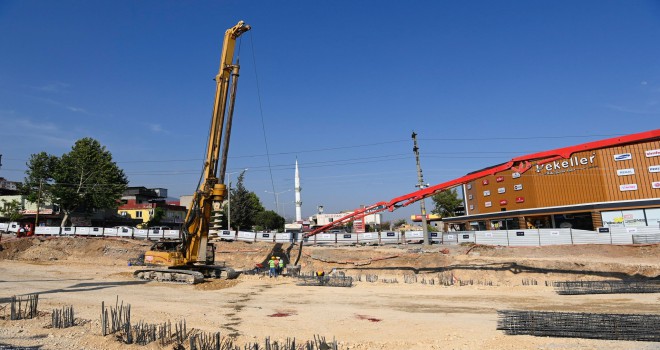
36,218
421,185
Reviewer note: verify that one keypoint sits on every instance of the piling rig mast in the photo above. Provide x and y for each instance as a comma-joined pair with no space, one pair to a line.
191,258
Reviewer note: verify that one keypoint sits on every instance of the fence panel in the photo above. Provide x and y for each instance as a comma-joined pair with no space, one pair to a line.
127,232
414,236
622,235
523,238
436,237
246,236
47,231
465,236
498,237
68,231
632,235
265,236
347,238
82,231
590,237
283,237
110,232
390,237
450,238
226,235
557,236
171,234
324,238
368,238
96,231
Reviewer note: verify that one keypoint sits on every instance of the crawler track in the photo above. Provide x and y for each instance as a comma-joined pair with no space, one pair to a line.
169,276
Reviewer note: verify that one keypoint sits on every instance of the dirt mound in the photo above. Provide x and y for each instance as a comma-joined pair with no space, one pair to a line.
501,263
92,250
486,264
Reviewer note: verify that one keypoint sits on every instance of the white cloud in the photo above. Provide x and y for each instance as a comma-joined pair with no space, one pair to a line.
156,128
77,110
630,110
57,87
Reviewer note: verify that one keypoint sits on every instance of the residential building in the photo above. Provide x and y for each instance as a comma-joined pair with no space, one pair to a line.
141,203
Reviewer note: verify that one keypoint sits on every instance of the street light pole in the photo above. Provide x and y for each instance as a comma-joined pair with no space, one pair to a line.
229,207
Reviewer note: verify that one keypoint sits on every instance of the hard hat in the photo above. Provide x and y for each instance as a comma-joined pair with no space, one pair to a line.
272,257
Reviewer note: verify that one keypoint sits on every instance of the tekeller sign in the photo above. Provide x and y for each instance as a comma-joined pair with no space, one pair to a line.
558,165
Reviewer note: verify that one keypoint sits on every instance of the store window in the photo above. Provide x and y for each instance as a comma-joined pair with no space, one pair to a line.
631,218
478,225
612,218
505,224
653,217
580,221
634,218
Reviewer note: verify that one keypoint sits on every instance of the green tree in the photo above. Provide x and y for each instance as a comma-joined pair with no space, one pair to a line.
155,220
269,220
244,205
446,203
36,186
385,226
400,223
11,210
84,180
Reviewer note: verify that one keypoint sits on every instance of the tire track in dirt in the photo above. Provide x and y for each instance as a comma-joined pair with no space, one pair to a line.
237,306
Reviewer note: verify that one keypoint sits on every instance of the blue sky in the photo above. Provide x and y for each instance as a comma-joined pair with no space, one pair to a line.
340,85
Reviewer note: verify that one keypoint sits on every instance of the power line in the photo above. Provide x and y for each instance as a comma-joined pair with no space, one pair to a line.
261,112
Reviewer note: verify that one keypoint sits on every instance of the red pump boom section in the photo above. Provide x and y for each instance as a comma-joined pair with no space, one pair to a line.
520,164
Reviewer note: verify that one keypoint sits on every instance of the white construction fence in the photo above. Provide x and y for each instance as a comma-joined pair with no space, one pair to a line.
536,237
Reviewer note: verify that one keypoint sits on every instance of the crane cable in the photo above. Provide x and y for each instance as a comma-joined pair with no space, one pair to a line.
261,113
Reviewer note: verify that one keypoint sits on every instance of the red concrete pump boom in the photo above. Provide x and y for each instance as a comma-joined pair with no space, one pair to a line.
520,164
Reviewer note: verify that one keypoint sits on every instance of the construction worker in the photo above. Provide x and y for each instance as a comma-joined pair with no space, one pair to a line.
271,264
319,275
281,265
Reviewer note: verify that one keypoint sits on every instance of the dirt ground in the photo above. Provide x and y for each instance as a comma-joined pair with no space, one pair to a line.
84,272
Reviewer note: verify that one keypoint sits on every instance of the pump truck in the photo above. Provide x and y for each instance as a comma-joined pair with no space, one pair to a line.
191,258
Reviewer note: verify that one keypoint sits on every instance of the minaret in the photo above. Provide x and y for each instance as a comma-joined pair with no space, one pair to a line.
298,201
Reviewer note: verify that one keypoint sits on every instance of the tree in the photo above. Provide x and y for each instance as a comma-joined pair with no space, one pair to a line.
400,223
269,220
40,177
84,180
155,220
11,210
446,203
385,225
244,205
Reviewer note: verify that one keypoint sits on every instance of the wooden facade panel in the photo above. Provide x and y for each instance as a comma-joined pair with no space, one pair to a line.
585,177
627,172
